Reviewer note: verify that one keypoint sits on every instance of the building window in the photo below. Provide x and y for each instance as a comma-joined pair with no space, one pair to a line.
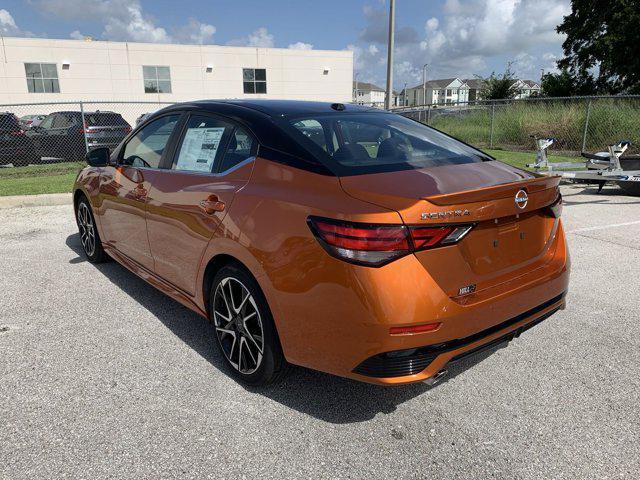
254,80
156,79
42,77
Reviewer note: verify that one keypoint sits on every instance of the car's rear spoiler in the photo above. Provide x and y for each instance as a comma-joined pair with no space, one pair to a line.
498,191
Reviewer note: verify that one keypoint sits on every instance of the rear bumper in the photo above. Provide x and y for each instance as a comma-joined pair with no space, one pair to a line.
417,362
342,326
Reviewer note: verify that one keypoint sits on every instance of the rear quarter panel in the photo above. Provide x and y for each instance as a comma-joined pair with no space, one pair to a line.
266,230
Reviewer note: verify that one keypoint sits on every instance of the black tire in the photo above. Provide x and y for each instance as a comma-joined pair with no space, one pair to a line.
89,237
238,330
31,159
632,188
35,159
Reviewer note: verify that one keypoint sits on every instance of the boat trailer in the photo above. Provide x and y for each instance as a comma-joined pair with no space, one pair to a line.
601,168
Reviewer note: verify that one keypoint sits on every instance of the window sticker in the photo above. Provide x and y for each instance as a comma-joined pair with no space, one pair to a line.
199,149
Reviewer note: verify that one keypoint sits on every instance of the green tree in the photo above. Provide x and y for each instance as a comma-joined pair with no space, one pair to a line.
563,84
602,48
497,87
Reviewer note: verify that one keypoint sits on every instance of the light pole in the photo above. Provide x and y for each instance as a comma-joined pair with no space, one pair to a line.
392,15
356,91
404,95
424,84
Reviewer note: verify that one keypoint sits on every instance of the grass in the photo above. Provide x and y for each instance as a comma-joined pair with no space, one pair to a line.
59,177
37,179
610,120
520,159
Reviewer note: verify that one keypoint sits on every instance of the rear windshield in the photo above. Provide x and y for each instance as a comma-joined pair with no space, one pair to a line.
9,122
360,143
104,120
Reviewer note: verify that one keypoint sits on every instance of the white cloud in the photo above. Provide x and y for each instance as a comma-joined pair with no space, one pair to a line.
6,21
373,50
432,24
8,26
125,20
134,26
495,27
358,60
525,65
76,35
195,32
259,38
467,37
300,46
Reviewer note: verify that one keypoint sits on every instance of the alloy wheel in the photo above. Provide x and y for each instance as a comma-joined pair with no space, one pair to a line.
238,325
87,229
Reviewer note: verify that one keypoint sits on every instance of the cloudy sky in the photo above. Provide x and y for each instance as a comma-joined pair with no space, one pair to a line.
459,38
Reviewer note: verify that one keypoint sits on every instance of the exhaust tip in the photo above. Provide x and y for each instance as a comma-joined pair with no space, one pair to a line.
431,381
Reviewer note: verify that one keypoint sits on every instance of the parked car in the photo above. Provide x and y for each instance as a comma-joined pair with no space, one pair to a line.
29,121
62,134
382,263
15,147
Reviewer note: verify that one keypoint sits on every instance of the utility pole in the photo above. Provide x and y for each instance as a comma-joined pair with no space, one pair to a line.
404,95
392,21
424,84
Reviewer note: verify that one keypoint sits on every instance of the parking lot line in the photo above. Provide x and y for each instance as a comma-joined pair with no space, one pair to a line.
603,227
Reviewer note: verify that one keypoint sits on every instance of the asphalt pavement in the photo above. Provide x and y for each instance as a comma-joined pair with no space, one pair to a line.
101,376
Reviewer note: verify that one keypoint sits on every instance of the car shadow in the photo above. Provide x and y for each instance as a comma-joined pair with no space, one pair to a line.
594,196
326,397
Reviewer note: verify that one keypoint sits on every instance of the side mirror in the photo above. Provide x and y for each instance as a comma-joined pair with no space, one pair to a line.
100,157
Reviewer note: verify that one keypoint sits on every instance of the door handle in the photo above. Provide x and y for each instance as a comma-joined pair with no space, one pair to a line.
212,205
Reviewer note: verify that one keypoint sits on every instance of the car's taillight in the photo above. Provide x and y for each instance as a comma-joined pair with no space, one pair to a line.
378,244
555,209
17,133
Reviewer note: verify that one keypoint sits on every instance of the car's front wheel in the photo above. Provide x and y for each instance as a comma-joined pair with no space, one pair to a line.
89,236
244,326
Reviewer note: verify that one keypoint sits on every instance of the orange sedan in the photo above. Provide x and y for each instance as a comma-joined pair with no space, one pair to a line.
341,238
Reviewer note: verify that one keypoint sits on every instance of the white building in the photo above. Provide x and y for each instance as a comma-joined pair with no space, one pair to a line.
476,88
47,70
441,92
368,94
526,88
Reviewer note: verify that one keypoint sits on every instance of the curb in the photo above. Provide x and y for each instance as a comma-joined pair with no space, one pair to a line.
44,200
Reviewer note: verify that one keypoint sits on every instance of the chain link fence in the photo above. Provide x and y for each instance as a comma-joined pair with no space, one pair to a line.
577,123
42,133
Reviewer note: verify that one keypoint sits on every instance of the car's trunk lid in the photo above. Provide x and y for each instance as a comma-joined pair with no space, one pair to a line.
506,240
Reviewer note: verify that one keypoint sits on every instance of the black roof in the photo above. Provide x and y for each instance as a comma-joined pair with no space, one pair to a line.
266,119
278,108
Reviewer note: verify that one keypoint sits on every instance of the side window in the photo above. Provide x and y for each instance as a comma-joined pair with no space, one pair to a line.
62,120
48,122
241,146
313,130
59,121
201,144
145,147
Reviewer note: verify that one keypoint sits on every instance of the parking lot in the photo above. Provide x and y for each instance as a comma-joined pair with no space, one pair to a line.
103,376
